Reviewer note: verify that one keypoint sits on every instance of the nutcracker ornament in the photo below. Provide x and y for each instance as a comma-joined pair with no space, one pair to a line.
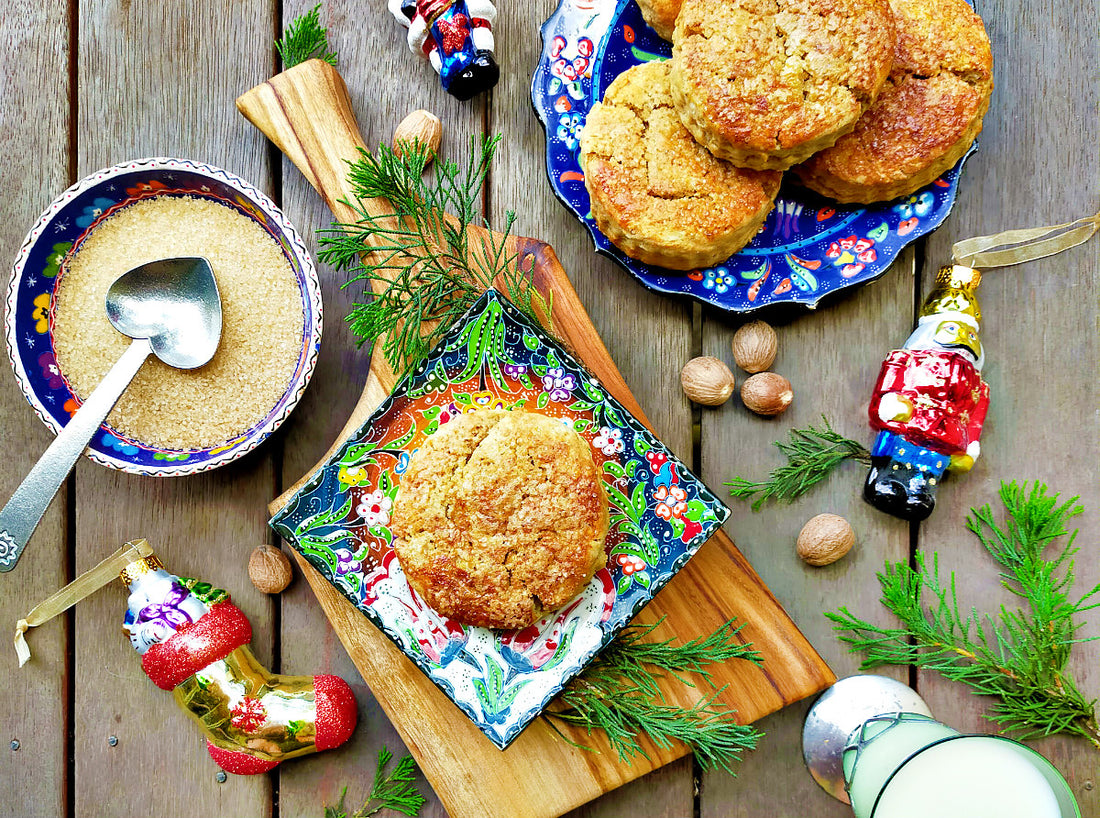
193,641
456,37
930,401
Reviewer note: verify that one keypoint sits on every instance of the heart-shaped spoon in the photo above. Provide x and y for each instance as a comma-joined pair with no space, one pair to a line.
171,308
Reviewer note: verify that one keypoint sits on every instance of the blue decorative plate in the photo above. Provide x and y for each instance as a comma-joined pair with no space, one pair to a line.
808,247
42,261
496,358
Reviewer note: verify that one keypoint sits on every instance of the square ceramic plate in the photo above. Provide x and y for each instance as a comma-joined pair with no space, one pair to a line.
496,358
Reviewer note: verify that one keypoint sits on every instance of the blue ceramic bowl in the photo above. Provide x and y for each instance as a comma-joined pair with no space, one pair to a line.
43,254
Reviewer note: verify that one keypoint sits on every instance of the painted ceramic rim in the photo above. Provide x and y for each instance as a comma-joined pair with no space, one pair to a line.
736,285
322,492
183,461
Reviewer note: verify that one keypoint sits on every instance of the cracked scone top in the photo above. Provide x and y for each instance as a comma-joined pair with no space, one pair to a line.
767,83
500,518
928,114
655,193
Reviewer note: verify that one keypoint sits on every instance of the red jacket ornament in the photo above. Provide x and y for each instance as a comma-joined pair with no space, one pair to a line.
948,396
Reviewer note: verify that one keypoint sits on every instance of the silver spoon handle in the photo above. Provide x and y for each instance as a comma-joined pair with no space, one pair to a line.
25,508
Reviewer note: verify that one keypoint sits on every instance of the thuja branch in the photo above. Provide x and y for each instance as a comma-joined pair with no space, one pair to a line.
811,455
305,38
619,693
1018,656
431,267
394,790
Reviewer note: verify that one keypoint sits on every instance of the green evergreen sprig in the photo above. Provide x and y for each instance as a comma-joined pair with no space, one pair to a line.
433,268
619,694
1019,657
305,38
811,455
395,791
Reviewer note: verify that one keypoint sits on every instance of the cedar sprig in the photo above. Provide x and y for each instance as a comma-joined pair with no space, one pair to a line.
432,266
1019,656
620,695
395,791
305,38
812,454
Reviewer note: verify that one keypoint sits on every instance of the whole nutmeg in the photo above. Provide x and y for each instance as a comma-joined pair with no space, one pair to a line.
419,126
754,346
707,380
825,539
767,393
269,569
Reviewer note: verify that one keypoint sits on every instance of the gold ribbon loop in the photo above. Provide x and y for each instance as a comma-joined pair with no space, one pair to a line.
86,584
1017,246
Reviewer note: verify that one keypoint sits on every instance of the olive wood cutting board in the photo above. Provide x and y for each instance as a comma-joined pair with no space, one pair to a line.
306,112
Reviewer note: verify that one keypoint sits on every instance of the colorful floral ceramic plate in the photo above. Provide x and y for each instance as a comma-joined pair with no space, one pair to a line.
29,322
808,247
494,357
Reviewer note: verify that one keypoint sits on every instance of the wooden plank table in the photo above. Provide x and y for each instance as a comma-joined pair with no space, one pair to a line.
88,84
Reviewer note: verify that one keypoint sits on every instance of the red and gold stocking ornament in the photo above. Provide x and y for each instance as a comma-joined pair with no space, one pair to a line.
193,641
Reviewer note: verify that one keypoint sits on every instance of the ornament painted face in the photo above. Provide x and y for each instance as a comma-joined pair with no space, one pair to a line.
952,332
958,337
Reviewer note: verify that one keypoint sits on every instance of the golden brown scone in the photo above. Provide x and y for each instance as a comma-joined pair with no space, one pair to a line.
767,83
661,15
926,117
501,517
655,193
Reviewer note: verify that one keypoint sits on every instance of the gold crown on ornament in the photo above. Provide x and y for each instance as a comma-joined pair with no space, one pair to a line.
954,292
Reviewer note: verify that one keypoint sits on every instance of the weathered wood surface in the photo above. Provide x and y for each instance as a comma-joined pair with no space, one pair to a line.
161,79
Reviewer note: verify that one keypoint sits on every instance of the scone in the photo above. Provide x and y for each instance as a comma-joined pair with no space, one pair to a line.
767,83
500,517
926,117
655,193
661,15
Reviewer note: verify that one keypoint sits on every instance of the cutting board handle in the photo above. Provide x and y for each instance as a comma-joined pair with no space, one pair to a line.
307,113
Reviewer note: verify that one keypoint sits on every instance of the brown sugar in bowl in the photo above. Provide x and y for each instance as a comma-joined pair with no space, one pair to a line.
169,422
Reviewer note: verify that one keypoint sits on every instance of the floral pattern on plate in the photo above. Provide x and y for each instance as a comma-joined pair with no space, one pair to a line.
496,358
797,257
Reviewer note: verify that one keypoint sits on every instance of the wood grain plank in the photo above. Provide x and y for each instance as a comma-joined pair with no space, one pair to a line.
1038,164
34,128
831,356
625,314
309,644
160,79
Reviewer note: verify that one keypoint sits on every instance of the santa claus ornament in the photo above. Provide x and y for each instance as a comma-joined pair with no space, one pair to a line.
456,37
193,641
929,401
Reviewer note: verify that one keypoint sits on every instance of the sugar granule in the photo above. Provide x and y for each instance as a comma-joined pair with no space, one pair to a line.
262,322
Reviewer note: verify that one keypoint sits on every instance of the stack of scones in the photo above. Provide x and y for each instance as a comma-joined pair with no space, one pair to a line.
864,100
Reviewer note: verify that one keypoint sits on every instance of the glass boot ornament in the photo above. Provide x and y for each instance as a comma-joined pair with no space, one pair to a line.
193,641
929,401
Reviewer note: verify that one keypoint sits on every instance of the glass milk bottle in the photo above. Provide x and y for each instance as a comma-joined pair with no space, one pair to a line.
870,741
